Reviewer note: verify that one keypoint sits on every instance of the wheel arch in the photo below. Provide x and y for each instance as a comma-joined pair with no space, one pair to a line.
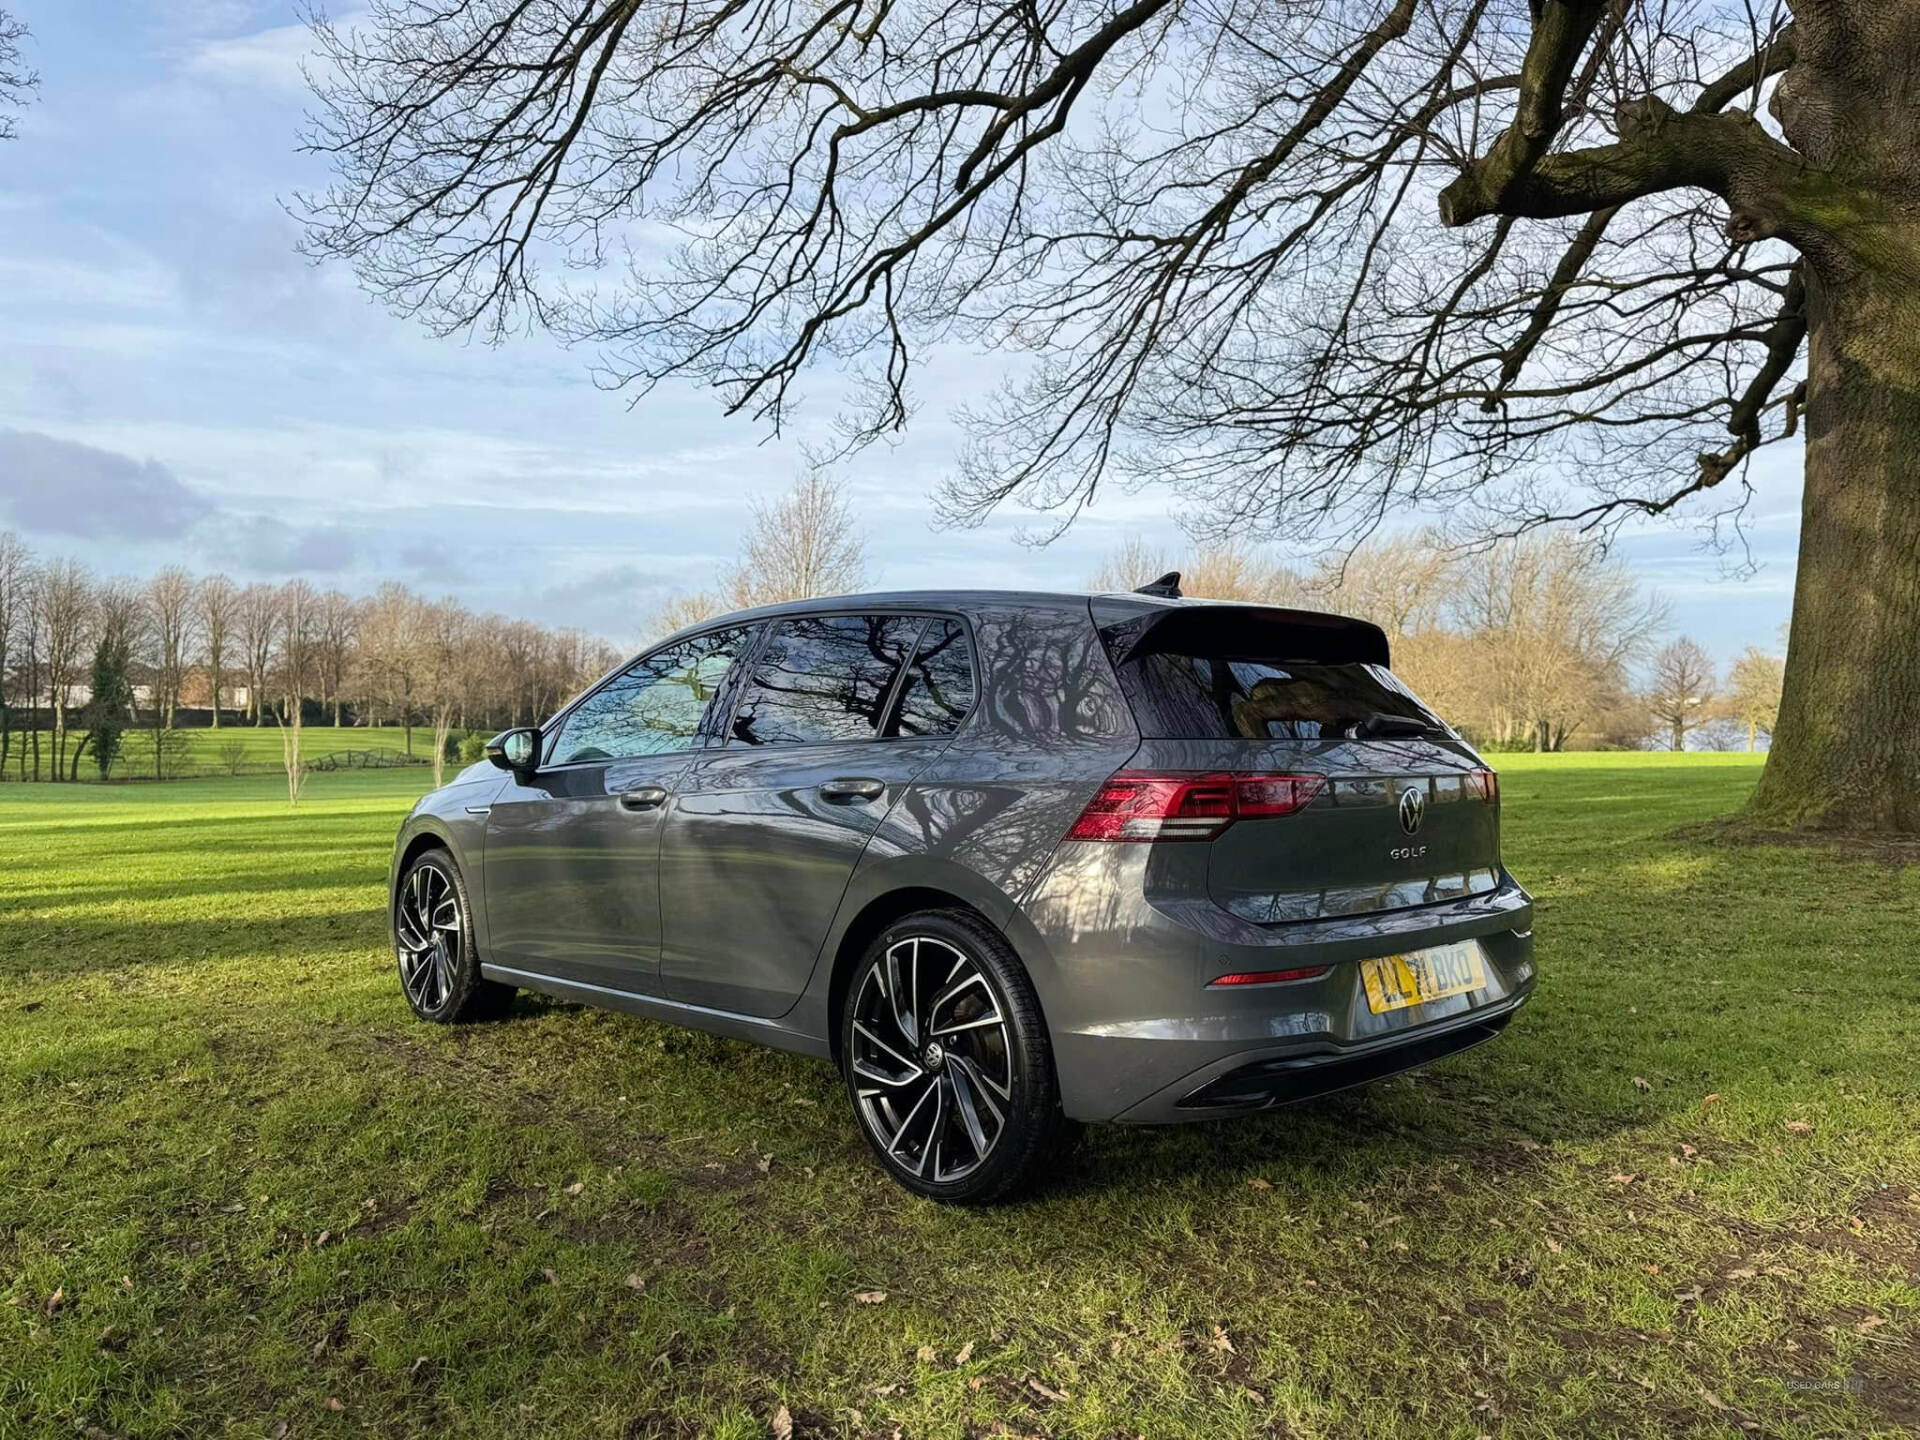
879,910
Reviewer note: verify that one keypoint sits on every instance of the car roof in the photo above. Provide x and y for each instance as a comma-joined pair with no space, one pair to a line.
1111,601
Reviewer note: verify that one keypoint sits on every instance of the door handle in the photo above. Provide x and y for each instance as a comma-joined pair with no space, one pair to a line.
851,789
642,797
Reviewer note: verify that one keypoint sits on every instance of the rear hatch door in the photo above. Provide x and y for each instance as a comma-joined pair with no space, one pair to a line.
1403,813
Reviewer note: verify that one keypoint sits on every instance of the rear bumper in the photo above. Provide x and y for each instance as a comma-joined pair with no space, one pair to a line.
1140,1036
1260,1080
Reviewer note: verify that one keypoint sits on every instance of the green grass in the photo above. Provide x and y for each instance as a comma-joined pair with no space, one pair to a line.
206,754
260,1190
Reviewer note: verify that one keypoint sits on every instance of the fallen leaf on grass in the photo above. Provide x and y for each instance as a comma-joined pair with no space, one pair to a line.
781,1425
926,1355
1740,1274
1870,1323
635,1282
1220,1341
1640,1083
552,1279
1044,1390
1713,1099
871,1297
57,1301
1799,1127
576,1187
964,1354
333,1404
1714,1400
764,1164
1622,1178
1258,1184
1554,1247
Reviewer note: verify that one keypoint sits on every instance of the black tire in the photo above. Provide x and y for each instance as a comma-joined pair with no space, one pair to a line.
974,1049
440,976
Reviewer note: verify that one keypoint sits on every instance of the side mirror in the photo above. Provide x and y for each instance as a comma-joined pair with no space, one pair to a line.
515,750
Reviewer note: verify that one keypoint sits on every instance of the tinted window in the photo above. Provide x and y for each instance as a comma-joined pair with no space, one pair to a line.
1202,697
938,690
655,706
822,678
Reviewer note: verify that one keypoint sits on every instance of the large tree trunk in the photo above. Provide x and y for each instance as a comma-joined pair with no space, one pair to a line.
1845,754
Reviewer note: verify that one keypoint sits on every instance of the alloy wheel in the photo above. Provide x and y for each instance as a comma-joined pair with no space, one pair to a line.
427,925
932,1059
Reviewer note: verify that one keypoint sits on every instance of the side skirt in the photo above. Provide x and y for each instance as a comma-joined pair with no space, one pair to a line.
672,1012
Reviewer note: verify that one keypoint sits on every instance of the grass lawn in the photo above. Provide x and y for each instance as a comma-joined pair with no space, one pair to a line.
243,1193
259,749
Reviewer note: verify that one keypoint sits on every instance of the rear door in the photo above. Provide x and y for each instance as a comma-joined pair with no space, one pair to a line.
1403,812
836,716
572,854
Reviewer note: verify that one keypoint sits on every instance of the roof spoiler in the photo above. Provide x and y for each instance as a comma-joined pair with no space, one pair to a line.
1239,632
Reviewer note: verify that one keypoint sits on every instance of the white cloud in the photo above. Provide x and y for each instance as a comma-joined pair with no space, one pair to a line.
271,60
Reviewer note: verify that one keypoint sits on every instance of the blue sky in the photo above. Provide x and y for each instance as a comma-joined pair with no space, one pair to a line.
178,385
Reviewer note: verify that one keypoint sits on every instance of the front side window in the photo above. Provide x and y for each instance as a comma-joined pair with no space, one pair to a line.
654,707
938,690
822,678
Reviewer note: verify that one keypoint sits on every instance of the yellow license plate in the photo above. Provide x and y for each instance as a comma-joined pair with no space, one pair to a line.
1395,982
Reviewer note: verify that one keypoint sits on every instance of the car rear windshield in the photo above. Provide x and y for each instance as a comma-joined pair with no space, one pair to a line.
1182,687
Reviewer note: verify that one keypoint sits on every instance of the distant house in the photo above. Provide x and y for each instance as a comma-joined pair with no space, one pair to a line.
196,692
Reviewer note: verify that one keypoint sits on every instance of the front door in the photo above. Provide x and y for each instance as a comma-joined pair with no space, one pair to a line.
572,854
764,833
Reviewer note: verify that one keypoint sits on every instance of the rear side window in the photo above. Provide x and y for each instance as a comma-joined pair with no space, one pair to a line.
1176,695
938,691
654,706
822,678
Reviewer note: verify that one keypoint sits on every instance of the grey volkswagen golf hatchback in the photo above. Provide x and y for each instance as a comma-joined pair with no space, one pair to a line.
1008,860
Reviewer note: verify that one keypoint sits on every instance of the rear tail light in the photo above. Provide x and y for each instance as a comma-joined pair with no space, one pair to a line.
1485,784
1135,805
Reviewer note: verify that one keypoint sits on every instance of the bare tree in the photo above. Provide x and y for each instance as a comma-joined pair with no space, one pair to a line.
682,611
1398,582
445,634
1680,688
258,630
1679,229
66,615
172,612
1753,692
299,615
804,543
336,621
16,565
1553,626
16,80
218,602
389,654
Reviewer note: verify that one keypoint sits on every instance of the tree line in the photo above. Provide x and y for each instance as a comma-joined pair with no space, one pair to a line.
84,658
